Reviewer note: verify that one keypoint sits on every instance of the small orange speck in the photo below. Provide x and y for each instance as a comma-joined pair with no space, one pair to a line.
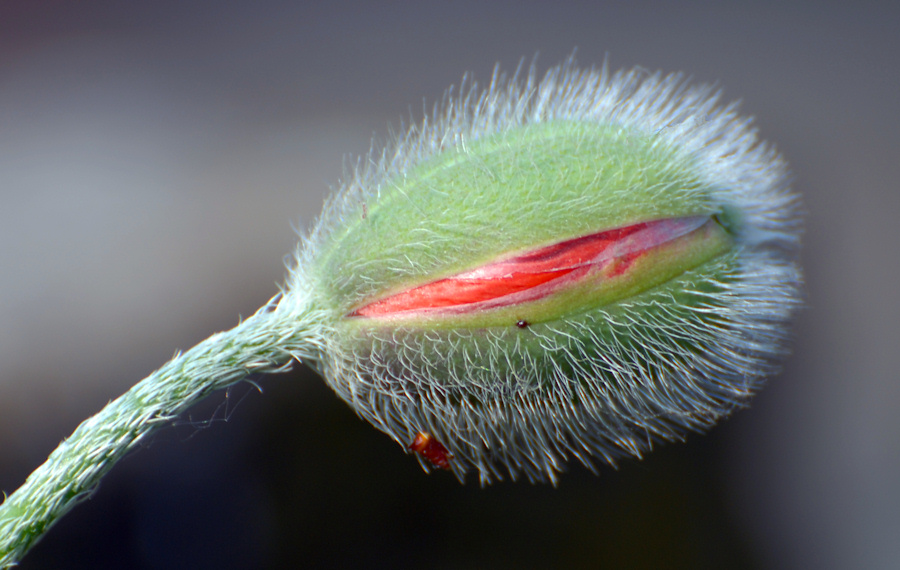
431,449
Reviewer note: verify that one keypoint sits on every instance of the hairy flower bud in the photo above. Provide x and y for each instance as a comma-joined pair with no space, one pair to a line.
577,266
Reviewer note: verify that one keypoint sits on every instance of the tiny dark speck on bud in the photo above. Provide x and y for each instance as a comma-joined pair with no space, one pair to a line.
522,323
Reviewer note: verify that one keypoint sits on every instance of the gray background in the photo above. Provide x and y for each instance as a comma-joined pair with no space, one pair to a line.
155,159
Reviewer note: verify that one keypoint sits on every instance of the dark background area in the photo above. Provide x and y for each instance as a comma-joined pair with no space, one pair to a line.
156,158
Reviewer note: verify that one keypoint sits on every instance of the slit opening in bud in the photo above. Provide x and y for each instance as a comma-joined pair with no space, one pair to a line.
600,258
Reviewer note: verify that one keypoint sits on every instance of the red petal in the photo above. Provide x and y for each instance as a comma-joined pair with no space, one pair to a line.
523,272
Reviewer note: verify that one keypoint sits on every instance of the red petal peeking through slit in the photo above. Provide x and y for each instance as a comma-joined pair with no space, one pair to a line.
532,275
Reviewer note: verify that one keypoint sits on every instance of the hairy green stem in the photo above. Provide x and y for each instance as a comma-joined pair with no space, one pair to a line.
266,342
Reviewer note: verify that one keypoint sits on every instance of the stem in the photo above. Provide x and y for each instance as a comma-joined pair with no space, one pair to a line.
266,342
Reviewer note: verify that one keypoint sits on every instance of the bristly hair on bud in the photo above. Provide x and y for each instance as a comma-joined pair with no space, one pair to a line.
574,266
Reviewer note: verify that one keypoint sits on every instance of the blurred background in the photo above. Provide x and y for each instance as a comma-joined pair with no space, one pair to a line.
157,158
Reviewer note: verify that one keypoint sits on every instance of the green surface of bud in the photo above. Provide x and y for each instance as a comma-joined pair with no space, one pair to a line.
577,266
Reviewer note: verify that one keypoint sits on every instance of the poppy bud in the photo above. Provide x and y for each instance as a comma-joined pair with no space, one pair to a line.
577,266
